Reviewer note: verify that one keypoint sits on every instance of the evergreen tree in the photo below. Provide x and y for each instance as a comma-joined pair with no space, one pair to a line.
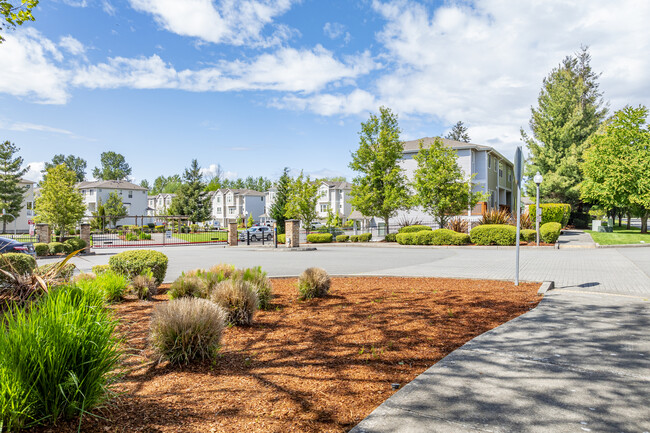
191,198
114,167
144,183
12,194
114,208
380,190
61,205
458,133
74,163
279,206
570,109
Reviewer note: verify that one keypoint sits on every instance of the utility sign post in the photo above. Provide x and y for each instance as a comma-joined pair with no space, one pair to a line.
519,171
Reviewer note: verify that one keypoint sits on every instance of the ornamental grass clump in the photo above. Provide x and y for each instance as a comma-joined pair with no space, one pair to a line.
494,216
144,285
186,330
313,283
225,269
187,286
112,285
261,284
238,298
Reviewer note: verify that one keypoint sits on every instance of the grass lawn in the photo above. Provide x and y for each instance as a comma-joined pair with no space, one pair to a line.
621,235
202,237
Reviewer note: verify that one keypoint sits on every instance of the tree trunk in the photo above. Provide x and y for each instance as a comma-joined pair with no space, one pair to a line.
386,223
644,223
620,215
629,222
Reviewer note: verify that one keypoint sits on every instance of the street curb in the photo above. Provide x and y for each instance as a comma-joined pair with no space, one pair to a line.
545,287
623,246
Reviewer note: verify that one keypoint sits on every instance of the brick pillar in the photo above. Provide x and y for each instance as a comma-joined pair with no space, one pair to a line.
292,233
233,236
85,236
43,233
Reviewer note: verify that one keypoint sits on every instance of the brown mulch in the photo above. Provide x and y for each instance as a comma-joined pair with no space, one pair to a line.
314,366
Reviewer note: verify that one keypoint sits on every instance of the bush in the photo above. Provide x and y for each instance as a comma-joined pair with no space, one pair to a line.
494,234
580,220
100,269
261,285
405,238
187,286
549,232
132,263
457,224
435,237
414,228
529,235
365,237
186,329
318,238
342,238
18,263
112,285
144,286
495,217
553,212
41,249
130,237
57,358
313,282
282,238
224,269
55,247
238,298
423,237
74,244
354,238
390,237
144,236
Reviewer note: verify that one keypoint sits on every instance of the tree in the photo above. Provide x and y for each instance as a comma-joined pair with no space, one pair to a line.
250,221
12,194
570,109
279,206
302,201
458,133
114,208
440,185
74,163
61,205
617,164
214,179
99,217
260,184
114,167
12,15
380,190
144,183
191,198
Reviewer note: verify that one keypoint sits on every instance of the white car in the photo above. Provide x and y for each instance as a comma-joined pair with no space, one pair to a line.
257,233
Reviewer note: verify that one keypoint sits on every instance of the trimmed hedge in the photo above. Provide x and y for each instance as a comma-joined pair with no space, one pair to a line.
433,237
342,238
319,238
528,235
549,232
354,238
100,269
42,249
414,228
56,247
282,238
494,234
132,263
20,263
552,212
390,237
75,244
365,237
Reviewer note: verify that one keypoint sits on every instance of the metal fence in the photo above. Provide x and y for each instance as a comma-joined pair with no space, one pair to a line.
21,237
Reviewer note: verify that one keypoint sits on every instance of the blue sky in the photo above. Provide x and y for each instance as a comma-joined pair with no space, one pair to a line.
256,85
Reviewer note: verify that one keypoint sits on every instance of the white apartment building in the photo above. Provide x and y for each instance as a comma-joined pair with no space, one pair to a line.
334,196
134,197
228,204
159,204
269,199
26,214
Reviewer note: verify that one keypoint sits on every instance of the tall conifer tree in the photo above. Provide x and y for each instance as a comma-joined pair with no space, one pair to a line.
12,194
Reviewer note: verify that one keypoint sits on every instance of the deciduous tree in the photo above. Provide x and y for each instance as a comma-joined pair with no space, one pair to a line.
12,194
74,163
60,204
15,14
114,167
302,200
114,208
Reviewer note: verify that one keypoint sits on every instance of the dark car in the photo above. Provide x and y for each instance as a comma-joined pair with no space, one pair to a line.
12,246
257,233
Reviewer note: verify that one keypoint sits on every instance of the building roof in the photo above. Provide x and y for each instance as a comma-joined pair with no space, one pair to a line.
240,191
338,185
413,146
163,194
110,184
23,180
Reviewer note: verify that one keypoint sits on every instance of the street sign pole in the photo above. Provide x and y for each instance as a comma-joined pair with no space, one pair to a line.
519,162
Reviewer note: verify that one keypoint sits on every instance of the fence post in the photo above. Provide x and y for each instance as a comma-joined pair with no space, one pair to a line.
232,234
292,233
85,236
43,233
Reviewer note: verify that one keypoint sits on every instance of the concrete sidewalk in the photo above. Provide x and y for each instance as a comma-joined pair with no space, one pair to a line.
575,239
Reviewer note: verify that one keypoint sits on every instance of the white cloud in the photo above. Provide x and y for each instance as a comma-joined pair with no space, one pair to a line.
34,173
28,127
335,31
236,22
108,8
72,45
230,175
357,101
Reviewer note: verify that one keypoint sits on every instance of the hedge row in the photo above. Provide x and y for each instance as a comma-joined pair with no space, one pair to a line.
414,228
494,234
363,237
318,238
74,244
433,237
552,212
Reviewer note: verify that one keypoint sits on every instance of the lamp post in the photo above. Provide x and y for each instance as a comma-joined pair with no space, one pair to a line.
538,180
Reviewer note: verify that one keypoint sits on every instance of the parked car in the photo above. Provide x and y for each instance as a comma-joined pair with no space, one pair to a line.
315,225
257,233
12,246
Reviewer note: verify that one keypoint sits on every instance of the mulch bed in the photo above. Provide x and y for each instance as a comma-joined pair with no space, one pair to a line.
314,366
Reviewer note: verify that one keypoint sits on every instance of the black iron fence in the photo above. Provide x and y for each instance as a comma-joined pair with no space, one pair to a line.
21,237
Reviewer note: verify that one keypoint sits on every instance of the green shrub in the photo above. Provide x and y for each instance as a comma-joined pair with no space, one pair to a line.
549,232
132,263
131,237
187,329
390,237
238,298
144,286
282,238
495,217
354,238
64,272
318,238
405,238
112,284
41,249
22,264
423,237
67,248
449,237
365,237
529,235
224,269
494,234
261,285
552,212
100,269
462,239
187,286
58,358
413,228
144,236
74,244
313,282
342,238
55,247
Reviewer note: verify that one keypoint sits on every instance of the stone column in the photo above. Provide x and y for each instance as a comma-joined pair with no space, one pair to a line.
292,233
43,233
233,236
85,236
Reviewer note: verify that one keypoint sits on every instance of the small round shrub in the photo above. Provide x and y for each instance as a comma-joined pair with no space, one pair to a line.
494,234
390,237
462,239
74,244
549,232
187,329
342,238
144,236
354,238
67,248
187,286
423,237
56,247
413,228
42,249
313,282
529,235
449,237
365,237
16,263
238,298
132,263
318,238
100,269
405,238
282,238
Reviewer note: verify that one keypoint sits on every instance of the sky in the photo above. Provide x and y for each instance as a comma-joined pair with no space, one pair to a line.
257,85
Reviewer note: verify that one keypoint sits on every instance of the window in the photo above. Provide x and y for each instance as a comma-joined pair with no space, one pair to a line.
495,164
218,199
229,199
489,161
324,207
231,211
491,199
130,194
218,210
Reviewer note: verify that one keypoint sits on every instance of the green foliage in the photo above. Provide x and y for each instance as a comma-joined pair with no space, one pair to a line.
74,244
238,298
261,183
313,282
552,212
406,238
440,185
60,204
316,238
549,232
100,269
191,198
365,237
144,236
413,228
18,263
59,357
494,216
458,133
570,109
132,263
279,207
380,189
112,284
56,247
12,193
302,200
528,235
282,239
115,208
391,237
260,283
42,249
186,330
114,167
15,14
187,286
56,271
354,238
74,163
494,234
342,238
435,237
